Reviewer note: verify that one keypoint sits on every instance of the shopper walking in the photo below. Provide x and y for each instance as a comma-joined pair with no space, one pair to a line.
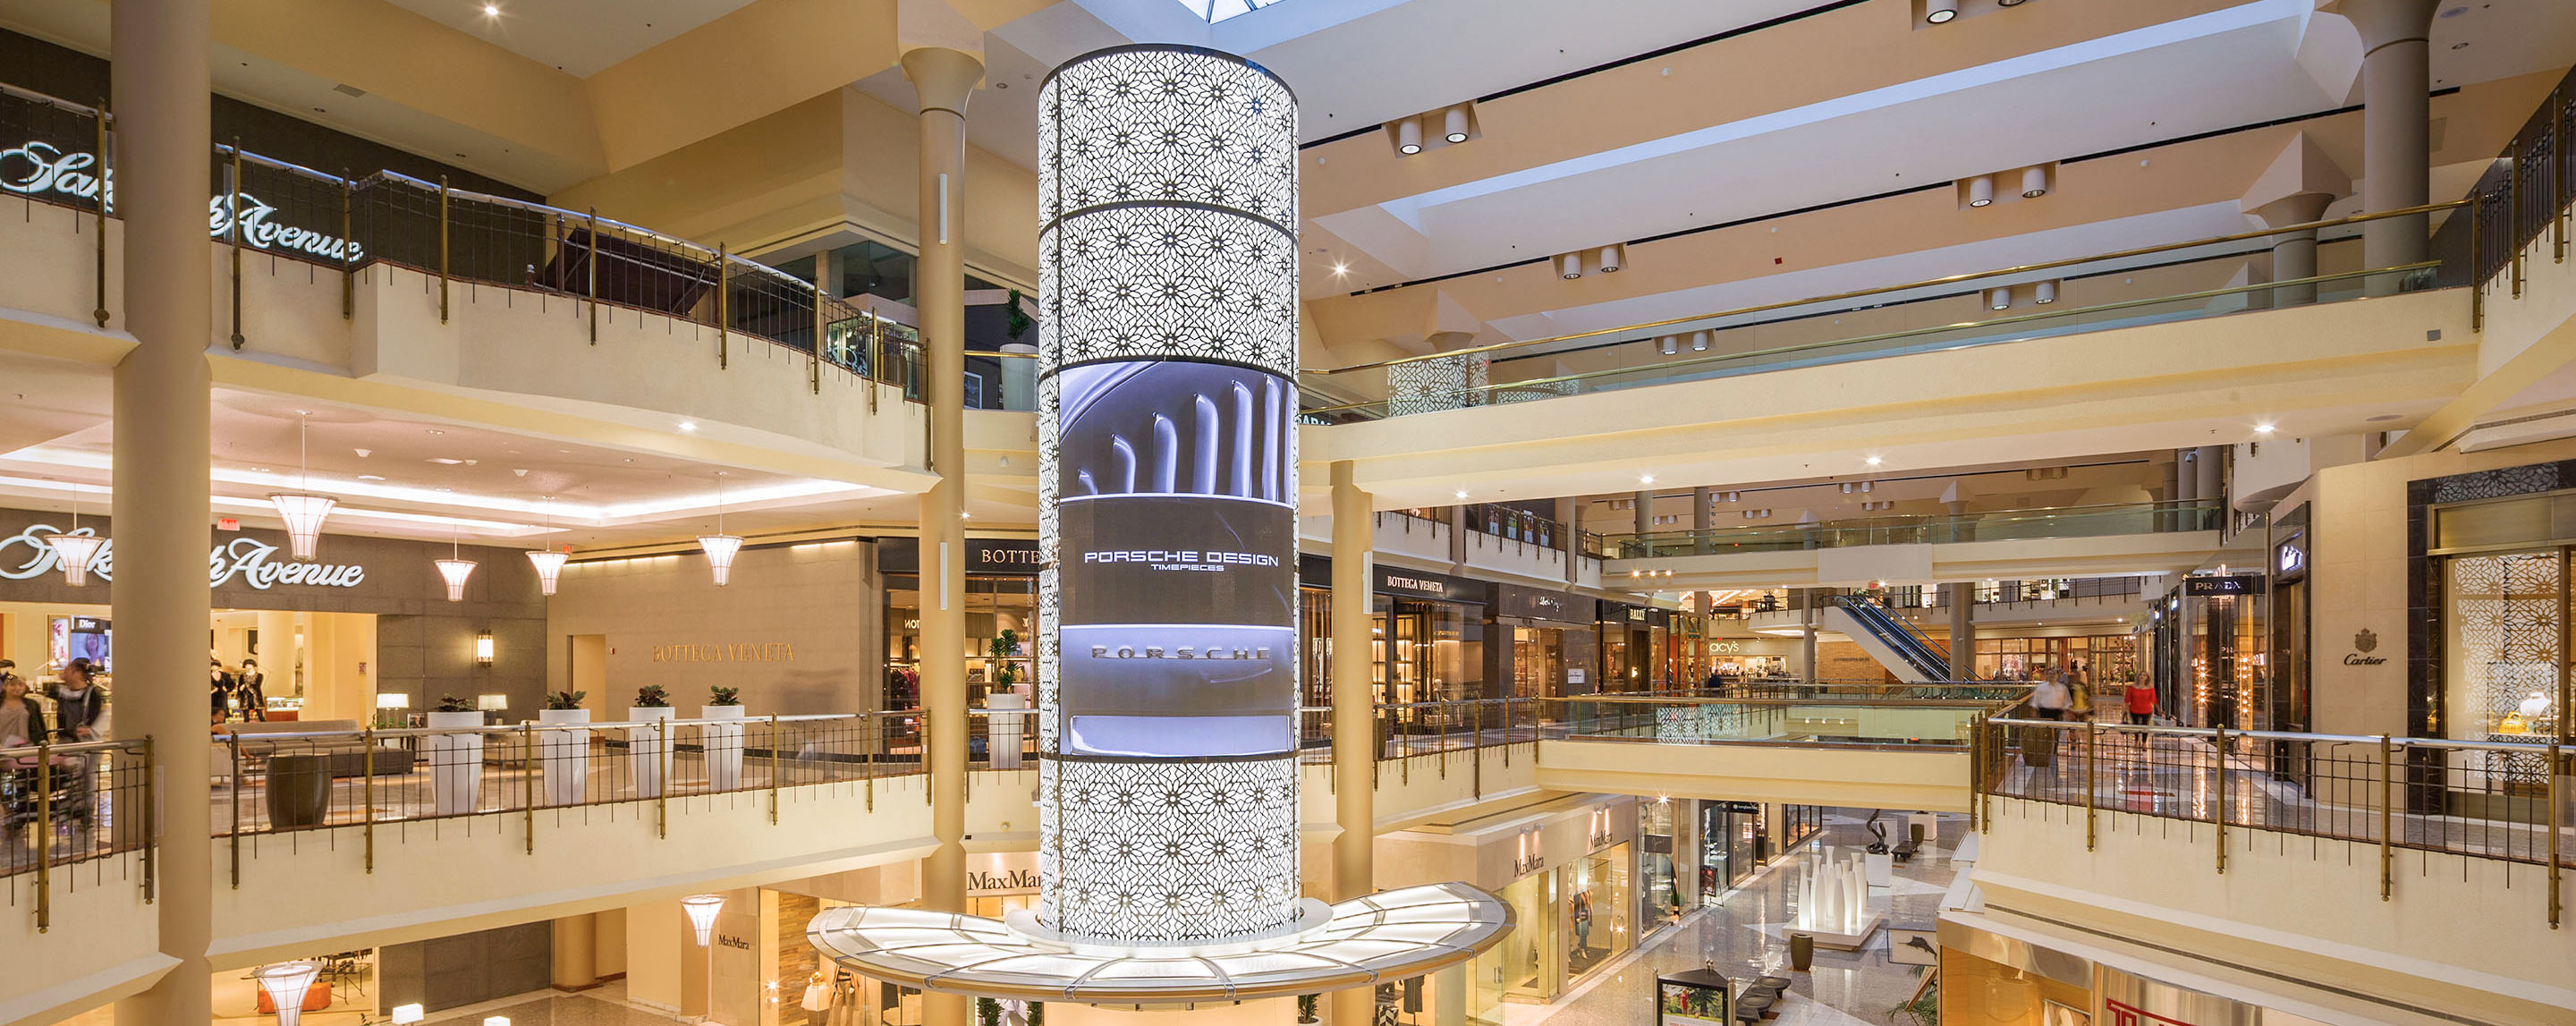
2142,702
21,719
80,705
2049,698
2079,693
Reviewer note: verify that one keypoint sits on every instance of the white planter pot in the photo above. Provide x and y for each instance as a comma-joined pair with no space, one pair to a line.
648,750
455,763
723,744
565,755
1003,728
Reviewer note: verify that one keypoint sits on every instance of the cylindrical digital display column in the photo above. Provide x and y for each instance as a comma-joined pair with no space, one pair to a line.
1167,682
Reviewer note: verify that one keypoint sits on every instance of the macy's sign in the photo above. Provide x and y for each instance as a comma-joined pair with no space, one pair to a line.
35,168
248,559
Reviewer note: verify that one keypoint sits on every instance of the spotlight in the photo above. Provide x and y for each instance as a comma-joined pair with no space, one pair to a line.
2263,429
1999,299
2034,182
1408,136
1613,258
1940,11
491,10
1874,461
1462,493
2044,293
1981,190
1570,266
1454,125
1340,269
1699,341
2009,3
1670,345
1645,479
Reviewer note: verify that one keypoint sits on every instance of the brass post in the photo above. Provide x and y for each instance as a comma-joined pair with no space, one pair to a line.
773,769
814,366
45,818
1476,747
442,249
232,208
2219,811
2387,818
233,741
724,319
151,830
876,358
2513,220
528,781
100,313
367,738
590,263
2092,746
2557,799
348,250
662,775
2477,273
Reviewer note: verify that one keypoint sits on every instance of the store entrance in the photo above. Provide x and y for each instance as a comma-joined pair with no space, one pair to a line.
264,664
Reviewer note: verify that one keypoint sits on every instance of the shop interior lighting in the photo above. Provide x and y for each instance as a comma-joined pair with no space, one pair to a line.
720,547
411,1013
286,984
1570,266
302,509
492,703
1408,136
1940,11
1611,258
2044,293
702,909
1981,190
73,549
2034,182
1453,124
1999,299
393,701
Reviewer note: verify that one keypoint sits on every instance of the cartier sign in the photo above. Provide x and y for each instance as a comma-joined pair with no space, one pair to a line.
37,168
246,560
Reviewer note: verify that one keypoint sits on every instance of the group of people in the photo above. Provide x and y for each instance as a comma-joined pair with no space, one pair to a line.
247,685
2065,694
79,707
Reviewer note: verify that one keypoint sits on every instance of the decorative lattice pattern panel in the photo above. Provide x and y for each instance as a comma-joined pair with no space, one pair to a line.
1168,852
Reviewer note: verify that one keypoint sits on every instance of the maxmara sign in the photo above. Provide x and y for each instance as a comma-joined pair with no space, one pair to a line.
248,561
37,168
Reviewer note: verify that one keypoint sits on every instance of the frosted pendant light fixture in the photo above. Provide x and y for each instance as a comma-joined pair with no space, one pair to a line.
702,910
302,510
73,549
720,547
455,569
549,562
286,984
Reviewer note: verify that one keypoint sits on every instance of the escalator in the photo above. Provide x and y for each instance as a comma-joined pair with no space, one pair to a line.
1893,642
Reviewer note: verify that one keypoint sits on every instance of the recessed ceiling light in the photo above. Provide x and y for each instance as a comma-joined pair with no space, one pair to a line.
491,10
1341,269
1462,493
688,425
2263,429
371,477
436,431
963,515
1645,479
1874,461
448,461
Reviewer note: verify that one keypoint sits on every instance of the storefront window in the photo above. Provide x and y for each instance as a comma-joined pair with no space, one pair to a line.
2505,622
1661,897
1595,898
1428,651
1526,962
993,604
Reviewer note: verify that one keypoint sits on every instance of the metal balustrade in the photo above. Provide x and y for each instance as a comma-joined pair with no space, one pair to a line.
75,816
1938,529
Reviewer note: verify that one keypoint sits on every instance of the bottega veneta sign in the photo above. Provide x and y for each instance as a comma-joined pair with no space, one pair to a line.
744,652
36,168
248,560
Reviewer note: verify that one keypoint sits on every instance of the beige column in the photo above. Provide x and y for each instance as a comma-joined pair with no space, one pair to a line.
576,952
1703,518
2396,127
943,78
1962,599
160,158
2294,255
1645,509
1354,724
1569,519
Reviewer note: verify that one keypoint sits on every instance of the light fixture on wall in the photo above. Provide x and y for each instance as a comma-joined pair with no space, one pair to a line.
549,562
702,910
1570,266
1408,136
1940,11
73,549
1981,190
483,649
2043,293
302,510
455,569
2034,182
286,984
492,703
720,547
1453,124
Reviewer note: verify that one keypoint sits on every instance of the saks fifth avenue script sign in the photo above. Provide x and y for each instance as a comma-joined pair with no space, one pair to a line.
35,168
251,561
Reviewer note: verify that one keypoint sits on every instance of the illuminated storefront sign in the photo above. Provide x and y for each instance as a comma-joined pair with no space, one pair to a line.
37,168
246,560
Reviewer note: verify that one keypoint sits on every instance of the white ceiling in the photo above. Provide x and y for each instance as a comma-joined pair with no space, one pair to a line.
579,37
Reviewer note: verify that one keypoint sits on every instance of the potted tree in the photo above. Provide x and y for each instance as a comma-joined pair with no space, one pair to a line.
722,741
565,754
456,758
648,741
1003,724
1306,1008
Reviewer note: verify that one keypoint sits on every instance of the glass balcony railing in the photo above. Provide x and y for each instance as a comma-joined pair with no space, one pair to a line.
2176,282
2006,525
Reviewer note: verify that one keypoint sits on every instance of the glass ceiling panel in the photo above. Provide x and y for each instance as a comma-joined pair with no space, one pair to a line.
1219,10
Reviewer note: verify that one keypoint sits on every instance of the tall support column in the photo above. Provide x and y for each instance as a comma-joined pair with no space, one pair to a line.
163,145
1569,517
1703,518
2294,255
1354,720
943,78
1807,617
576,952
2396,127
1962,600
1645,507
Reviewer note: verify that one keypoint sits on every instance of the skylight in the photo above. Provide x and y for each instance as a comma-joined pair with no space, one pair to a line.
1219,10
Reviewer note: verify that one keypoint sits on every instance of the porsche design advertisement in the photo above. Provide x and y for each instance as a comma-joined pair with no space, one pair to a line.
1178,554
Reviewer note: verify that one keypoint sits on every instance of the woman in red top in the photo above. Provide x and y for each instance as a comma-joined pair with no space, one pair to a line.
2142,702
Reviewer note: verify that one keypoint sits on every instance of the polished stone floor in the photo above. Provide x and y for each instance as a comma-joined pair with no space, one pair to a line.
1744,937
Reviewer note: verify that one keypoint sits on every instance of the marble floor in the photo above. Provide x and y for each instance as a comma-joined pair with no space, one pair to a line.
1745,936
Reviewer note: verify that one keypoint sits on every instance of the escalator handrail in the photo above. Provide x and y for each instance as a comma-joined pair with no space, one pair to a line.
1916,649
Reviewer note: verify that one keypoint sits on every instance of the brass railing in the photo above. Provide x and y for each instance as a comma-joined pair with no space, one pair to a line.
74,816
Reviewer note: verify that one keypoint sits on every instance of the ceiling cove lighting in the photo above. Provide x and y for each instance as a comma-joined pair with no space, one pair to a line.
1981,191
720,547
73,549
1570,266
1408,136
1454,125
302,510
1940,11
2034,182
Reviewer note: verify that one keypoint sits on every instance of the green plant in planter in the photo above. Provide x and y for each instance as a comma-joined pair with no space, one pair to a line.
988,1012
451,703
1037,1013
1017,321
652,696
565,699
1306,1011
1005,672
724,696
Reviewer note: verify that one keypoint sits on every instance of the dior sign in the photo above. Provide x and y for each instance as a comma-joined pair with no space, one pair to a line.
36,168
247,560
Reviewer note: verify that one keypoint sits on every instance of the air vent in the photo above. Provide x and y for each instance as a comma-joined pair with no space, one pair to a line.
345,89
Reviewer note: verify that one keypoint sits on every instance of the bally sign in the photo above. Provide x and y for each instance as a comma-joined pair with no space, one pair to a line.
36,168
26,554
